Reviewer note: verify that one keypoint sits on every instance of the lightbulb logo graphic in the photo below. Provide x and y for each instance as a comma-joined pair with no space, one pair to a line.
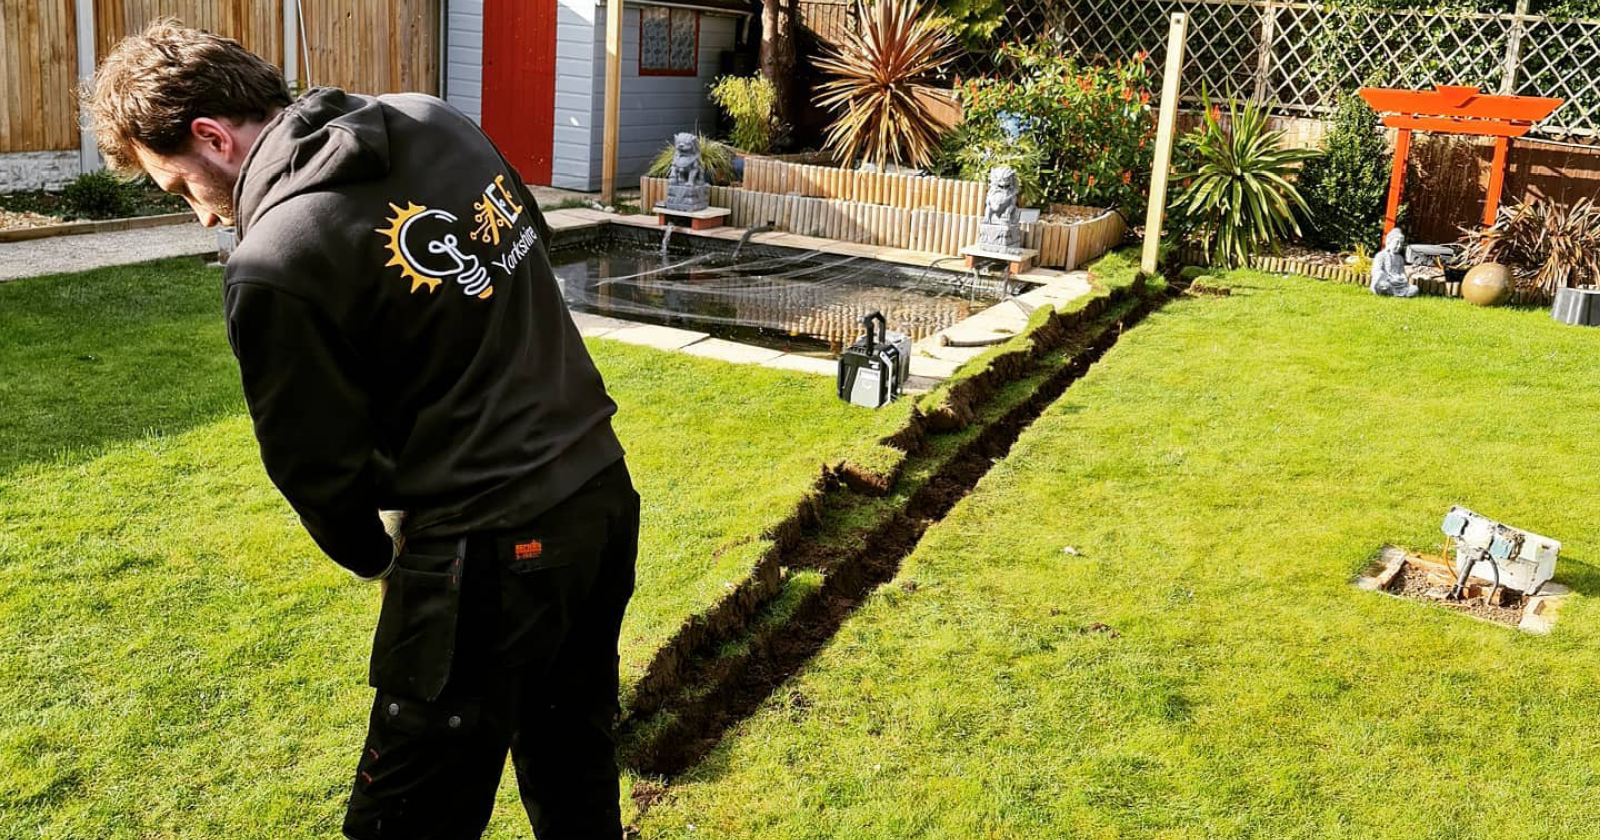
440,257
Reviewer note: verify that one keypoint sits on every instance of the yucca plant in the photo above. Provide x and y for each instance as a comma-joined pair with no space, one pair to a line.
1548,246
716,157
875,75
1239,198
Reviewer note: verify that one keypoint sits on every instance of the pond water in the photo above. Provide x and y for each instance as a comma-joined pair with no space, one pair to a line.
794,301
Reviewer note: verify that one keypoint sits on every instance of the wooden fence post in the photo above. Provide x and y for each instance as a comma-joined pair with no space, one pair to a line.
83,11
1164,131
1508,79
608,178
1269,26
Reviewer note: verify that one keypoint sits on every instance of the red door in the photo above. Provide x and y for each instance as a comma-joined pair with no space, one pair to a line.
519,82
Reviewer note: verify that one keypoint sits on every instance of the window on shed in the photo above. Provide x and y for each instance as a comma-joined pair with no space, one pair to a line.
669,41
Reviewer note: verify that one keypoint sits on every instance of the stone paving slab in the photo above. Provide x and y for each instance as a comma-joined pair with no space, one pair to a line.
932,368
804,364
594,326
728,351
99,250
658,337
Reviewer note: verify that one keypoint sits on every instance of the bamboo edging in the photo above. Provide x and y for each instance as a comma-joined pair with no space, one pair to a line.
923,229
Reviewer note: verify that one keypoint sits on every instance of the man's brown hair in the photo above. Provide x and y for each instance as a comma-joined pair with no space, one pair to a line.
154,84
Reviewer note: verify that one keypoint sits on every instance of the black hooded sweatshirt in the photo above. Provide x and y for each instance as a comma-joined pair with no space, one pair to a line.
400,334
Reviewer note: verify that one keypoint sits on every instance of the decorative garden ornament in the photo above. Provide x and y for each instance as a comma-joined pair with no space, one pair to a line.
1487,284
687,187
1389,268
1001,227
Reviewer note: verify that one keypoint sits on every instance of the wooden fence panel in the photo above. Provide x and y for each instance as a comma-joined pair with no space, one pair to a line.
38,71
373,46
257,24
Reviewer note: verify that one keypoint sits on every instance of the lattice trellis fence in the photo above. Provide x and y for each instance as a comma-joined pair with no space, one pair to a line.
1298,56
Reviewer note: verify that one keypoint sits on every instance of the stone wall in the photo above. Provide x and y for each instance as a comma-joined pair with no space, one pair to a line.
37,170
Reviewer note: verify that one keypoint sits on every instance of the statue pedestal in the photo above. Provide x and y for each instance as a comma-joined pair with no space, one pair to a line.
1021,260
1000,237
688,198
703,219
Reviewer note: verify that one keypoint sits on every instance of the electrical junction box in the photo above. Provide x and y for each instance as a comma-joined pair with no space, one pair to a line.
1526,561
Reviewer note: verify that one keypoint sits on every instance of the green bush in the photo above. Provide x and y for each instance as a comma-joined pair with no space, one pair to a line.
99,195
1239,199
969,152
1347,186
972,22
749,102
1093,126
715,157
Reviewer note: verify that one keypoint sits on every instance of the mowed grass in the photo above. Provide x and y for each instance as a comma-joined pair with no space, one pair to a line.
177,659
1222,475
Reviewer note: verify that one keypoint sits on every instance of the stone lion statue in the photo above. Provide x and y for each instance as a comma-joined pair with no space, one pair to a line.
1000,208
686,168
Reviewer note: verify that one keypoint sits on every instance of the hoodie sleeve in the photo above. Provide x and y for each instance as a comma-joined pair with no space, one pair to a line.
312,420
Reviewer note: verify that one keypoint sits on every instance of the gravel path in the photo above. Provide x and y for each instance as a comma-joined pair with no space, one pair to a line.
97,250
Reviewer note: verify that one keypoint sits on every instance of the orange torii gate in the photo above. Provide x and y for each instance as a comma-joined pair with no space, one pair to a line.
1455,110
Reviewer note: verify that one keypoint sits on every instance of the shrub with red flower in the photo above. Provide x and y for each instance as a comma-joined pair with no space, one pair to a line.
1090,124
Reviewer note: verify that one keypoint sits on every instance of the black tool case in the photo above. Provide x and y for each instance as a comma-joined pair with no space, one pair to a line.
874,369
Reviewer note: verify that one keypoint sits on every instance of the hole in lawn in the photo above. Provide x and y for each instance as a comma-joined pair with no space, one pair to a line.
1430,577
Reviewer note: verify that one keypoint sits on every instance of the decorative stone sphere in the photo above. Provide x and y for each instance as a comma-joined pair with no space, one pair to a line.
1488,284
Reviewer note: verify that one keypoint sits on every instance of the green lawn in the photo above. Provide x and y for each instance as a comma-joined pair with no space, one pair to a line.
1222,475
177,660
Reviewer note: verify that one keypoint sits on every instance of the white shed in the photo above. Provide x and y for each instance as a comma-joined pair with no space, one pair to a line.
533,75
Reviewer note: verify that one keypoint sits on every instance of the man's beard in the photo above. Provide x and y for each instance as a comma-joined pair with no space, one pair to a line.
215,191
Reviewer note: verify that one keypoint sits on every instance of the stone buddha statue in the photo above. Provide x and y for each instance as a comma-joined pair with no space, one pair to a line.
1389,268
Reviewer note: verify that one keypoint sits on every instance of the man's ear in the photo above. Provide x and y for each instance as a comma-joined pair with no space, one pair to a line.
212,138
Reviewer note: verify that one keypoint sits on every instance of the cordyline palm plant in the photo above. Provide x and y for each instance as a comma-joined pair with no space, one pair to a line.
1560,246
876,74
1239,199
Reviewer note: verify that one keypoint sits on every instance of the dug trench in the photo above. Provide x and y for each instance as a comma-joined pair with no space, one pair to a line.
853,535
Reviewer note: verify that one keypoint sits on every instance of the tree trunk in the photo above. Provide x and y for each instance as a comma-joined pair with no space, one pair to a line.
778,60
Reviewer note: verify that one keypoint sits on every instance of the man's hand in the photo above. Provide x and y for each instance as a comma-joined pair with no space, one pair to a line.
394,522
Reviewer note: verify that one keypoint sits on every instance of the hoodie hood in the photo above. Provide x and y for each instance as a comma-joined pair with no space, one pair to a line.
323,139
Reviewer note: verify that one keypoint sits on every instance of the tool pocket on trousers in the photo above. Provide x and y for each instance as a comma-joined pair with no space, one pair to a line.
415,642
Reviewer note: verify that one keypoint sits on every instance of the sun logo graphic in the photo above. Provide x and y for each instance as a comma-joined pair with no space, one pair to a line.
439,256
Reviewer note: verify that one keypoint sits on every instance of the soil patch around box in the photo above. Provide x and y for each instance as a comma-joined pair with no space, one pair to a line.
1414,583
1429,578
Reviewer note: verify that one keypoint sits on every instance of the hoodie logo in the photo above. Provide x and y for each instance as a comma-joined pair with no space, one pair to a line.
496,210
423,244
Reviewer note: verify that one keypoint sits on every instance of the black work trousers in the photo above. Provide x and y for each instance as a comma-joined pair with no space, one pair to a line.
495,643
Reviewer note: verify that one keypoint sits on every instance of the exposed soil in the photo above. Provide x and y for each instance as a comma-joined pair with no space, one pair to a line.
717,692
1313,256
1414,583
